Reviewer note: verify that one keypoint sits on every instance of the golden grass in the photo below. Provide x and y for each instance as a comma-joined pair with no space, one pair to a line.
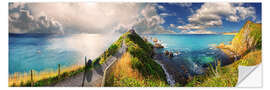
252,58
227,49
17,78
123,68
122,74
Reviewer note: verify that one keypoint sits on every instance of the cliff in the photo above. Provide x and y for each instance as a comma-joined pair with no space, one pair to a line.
249,38
247,44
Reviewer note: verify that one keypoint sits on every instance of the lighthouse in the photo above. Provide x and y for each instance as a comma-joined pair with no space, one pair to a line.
132,30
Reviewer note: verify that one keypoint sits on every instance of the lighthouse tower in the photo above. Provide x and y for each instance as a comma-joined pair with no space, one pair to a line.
132,30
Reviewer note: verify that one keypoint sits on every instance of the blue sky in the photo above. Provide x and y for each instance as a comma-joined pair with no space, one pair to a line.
178,15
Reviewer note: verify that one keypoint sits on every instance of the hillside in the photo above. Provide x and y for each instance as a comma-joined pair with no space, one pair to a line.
245,50
135,67
248,39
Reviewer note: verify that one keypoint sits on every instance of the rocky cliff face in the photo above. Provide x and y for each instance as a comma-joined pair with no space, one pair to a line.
249,38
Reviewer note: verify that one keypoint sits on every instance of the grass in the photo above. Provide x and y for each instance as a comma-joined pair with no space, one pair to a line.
123,75
246,45
248,38
48,77
111,50
136,67
43,78
226,76
251,59
216,77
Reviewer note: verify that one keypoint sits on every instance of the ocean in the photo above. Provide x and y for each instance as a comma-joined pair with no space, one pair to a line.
42,52
193,51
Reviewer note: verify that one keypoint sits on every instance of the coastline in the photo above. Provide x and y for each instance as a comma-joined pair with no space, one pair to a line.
174,77
176,74
229,33
169,77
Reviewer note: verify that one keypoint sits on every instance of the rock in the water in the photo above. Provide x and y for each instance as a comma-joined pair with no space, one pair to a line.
155,40
157,45
170,54
166,52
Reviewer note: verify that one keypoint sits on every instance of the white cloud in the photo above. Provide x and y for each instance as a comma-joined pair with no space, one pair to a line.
164,14
246,12
172,25
185,4
160,7
167,14
96,17
233,18
88,17
213,14
190,27
198,32
150,21
21,21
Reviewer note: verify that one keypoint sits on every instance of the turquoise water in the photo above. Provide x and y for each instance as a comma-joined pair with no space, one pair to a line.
43,52
29,51
193,51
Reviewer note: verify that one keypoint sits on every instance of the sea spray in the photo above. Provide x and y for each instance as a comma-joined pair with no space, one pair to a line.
169,77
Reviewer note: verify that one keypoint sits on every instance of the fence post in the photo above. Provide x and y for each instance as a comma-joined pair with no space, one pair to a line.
84,71
32,79
58,71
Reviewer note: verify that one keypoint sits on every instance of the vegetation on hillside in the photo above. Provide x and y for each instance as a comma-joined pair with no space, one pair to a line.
226,76
246,45
249,38
136,67
44,78
110,51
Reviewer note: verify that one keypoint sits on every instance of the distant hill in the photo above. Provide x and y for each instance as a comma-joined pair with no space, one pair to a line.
229,33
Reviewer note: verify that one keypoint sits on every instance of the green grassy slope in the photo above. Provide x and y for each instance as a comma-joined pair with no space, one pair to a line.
143,70
247,45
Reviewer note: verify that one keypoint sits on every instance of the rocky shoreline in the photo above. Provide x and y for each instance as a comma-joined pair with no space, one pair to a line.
179,74
173,75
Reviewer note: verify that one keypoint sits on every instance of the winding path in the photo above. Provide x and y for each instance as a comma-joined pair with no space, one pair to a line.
94,78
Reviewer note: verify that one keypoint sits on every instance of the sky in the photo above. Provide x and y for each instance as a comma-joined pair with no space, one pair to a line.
211,17
146,18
